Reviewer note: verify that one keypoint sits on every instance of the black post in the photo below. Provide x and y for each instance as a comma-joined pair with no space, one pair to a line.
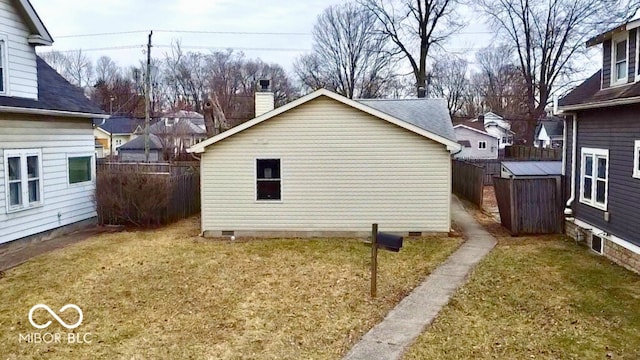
374,259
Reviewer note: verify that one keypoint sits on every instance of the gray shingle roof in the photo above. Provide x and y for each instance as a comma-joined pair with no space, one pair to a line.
431,115
54,93
533,168
120,125
155,143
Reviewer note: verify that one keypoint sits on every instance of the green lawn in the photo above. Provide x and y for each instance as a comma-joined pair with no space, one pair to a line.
538,298
166,294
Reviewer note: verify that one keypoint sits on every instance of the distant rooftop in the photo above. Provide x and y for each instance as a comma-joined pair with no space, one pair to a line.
533,168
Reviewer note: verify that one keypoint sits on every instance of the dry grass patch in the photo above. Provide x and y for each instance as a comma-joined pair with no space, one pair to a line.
164,294
538,297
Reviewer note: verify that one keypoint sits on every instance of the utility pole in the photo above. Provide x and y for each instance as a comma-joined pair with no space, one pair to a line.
147,99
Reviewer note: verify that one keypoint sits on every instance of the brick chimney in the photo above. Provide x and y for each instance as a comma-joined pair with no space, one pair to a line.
264,97
481,119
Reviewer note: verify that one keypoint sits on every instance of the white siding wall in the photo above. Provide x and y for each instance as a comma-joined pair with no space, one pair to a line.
21,72
57,139
341,169
491,152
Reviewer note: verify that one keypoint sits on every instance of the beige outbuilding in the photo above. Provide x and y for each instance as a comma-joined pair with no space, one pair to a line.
325,164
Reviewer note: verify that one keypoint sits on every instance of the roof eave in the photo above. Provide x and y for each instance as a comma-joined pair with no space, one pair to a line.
598,104
30,111
201,147
37,23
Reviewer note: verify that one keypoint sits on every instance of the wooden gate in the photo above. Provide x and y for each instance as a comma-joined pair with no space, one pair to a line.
530,206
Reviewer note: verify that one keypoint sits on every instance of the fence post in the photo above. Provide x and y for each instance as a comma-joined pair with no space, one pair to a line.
514,208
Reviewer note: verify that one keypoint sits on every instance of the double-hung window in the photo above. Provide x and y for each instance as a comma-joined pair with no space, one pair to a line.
594,177
268,180
23,175
636,159
619,60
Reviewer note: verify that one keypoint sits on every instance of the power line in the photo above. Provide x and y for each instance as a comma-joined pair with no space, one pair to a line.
222,33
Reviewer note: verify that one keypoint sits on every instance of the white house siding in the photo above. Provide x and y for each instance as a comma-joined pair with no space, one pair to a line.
341,170
21,72
473,152
57,138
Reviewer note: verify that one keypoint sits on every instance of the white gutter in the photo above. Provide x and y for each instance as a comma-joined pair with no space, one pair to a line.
599,104
29,111
568,211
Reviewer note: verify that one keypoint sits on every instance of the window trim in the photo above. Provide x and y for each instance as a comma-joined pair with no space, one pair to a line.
482,142
614,81
584,152
637,69
4,63
93,169
636,160
255,172
23,154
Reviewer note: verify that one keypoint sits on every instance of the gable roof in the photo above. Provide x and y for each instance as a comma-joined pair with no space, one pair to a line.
155,143
428,114
474,126
183,126
39,33
120,125
55,96
589,95
553,127
441,133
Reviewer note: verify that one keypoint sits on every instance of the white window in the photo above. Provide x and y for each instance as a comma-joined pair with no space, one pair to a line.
268,181
619,64
594,177
3,64
482,144
79,169
23,176
636,159
118,142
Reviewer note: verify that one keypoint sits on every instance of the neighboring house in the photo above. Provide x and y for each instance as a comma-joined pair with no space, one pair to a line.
47,166
115,132
602,154
180,130
497,126
476,142
549,133
325,164
134,150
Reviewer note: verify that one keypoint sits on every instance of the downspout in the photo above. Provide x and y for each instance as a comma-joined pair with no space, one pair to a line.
568,211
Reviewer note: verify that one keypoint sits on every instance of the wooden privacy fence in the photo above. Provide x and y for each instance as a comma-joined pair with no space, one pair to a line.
492,167
143,198
520,152
467,181
530,206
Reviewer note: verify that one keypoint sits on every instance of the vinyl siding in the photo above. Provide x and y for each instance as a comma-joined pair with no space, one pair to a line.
491,152
606,64
631,70
57,139
21,72
341,170
615,129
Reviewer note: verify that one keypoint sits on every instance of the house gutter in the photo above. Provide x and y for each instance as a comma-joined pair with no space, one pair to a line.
29,111
568,211
594,105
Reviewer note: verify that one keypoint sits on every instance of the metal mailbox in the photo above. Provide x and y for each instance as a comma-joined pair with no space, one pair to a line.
389,242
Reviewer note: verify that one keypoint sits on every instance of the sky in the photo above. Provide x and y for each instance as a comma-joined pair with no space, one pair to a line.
243,25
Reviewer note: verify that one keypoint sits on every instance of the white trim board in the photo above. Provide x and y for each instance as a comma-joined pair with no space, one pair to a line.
603,234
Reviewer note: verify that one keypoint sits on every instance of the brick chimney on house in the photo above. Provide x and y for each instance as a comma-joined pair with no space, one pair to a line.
481,119
264,97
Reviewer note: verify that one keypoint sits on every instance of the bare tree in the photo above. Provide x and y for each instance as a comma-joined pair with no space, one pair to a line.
408,22
450,81
106,69
79,69
547,36
349,56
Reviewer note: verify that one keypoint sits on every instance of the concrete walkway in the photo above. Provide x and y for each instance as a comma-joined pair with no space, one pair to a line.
390,338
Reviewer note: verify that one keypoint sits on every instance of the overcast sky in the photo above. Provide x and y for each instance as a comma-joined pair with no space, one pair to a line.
174,19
